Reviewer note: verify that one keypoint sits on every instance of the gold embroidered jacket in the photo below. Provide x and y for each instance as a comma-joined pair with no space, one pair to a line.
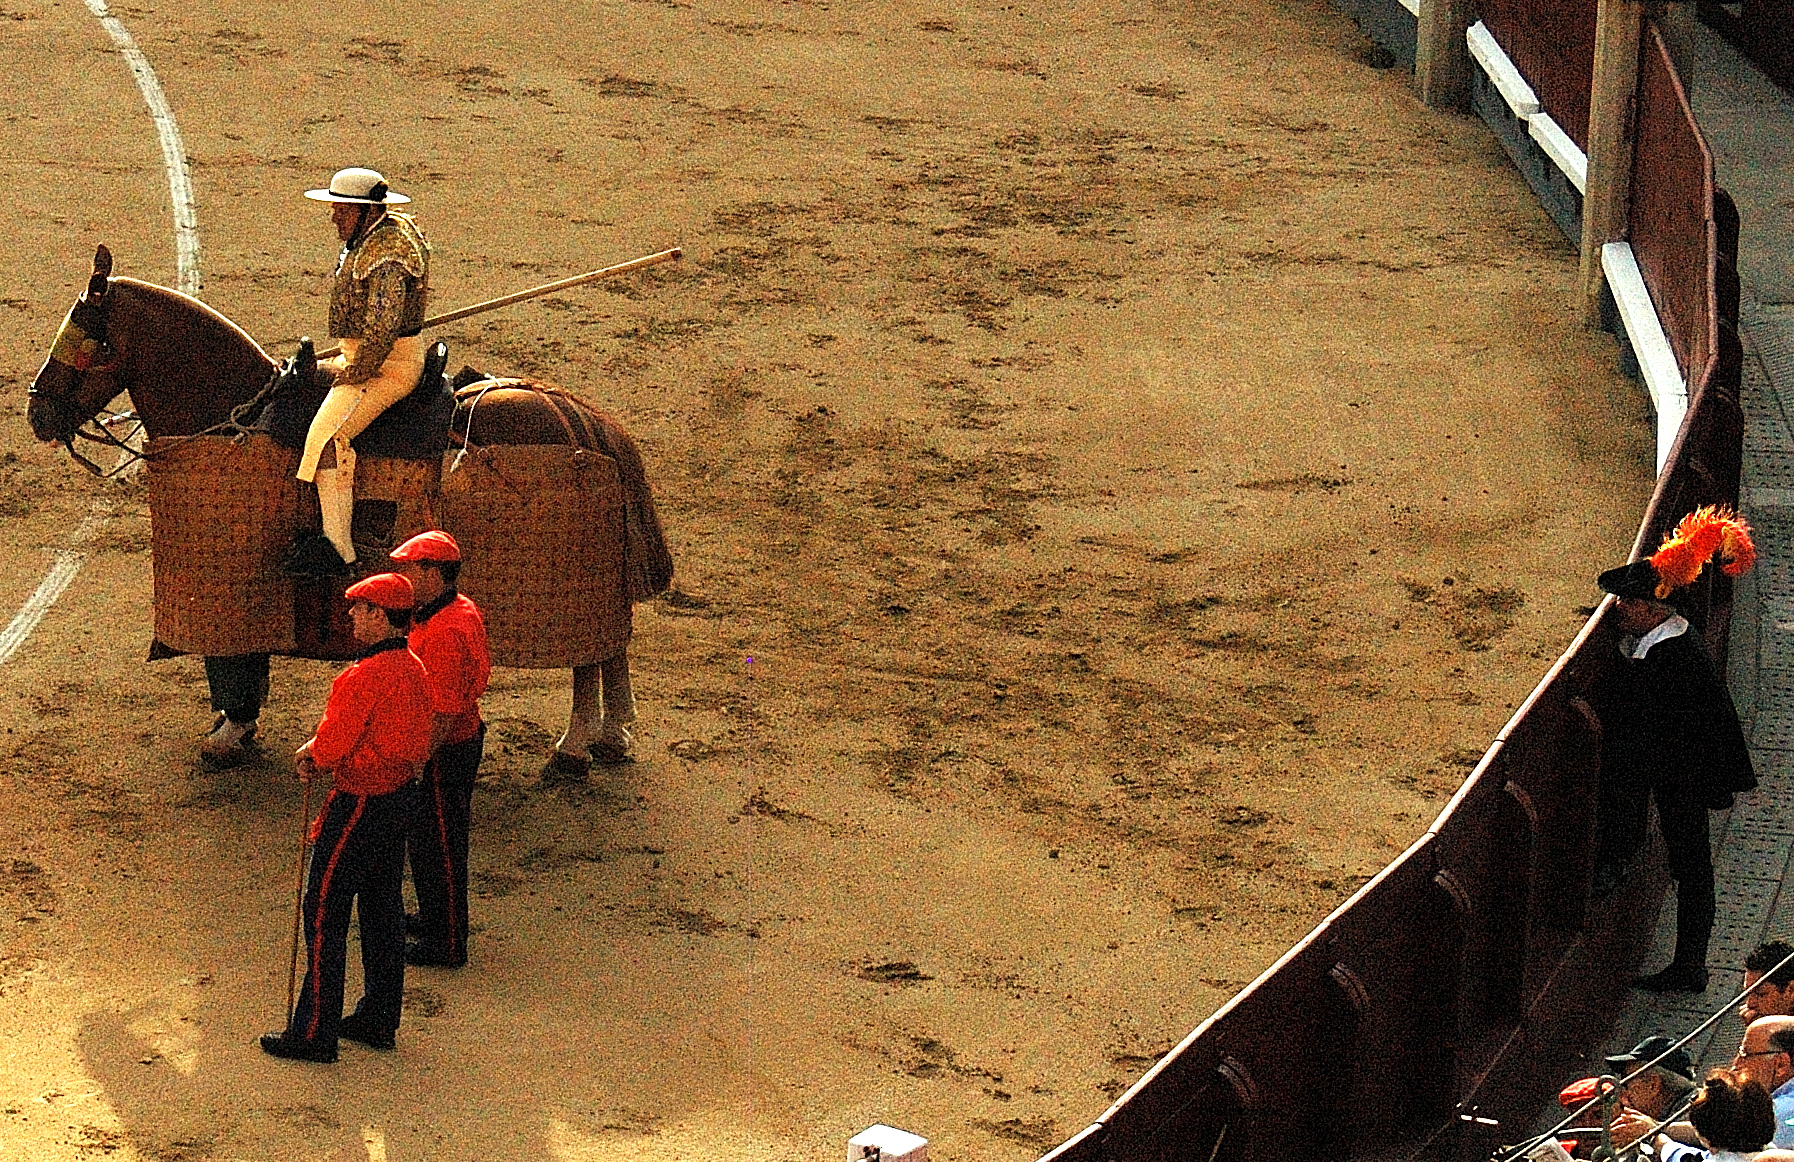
382,283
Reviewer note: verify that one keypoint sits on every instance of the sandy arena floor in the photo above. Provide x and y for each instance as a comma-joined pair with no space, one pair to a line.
1143,454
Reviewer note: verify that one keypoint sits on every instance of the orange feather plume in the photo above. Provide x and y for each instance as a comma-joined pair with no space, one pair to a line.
1709,532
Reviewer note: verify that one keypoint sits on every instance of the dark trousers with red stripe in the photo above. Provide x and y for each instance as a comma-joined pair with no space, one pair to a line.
357,859
438,846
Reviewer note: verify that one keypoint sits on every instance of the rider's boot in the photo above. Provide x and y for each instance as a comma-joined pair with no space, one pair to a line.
336,502
333,554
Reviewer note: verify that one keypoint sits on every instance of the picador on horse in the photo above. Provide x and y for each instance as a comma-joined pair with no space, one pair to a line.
377,315
547,495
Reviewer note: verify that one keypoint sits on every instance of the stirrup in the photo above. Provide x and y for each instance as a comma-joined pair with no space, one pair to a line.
314,557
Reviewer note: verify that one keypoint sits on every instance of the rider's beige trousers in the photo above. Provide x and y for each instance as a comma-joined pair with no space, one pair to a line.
350,408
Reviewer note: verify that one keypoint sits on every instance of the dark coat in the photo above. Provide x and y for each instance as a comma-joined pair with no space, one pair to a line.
1668,720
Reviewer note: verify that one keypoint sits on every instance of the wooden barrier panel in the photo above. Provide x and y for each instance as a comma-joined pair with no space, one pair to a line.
1671,220
1552,43
1485,930
1336,1048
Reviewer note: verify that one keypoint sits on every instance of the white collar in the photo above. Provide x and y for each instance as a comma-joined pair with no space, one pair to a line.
1675,625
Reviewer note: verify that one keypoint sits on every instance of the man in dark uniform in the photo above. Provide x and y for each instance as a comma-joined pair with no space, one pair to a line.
1670,734
374,738
449,636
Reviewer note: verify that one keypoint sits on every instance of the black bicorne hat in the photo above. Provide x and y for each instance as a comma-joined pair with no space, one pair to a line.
1639,579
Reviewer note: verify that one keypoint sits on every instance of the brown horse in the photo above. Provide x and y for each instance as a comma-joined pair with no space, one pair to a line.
185,367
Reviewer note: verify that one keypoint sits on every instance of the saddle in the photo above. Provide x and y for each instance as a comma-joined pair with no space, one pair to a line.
415,428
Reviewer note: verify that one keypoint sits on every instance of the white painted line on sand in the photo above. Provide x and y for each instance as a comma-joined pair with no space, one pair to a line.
186,256
174,153
68,563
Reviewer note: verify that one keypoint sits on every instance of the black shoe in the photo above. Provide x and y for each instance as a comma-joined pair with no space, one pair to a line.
425,957
313,556
298,1048
356,1028
414,925
1674,979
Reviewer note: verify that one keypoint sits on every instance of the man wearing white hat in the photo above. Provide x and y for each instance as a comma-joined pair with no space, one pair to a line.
376,313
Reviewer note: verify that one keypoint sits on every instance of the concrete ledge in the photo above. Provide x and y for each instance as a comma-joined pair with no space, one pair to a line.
1563,152
1650,346
1554,189
1520,98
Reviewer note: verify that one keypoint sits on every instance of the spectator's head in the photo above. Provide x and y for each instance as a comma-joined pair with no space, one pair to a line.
1768,993
1763,1055
1733,1112
1654,1089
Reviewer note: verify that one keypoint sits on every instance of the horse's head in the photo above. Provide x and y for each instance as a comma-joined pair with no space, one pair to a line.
184,364
81,374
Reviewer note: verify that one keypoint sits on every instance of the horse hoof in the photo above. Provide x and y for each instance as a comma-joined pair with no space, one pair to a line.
562,767
609,754
613,745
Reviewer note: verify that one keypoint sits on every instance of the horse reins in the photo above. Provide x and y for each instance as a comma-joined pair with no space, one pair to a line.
85,349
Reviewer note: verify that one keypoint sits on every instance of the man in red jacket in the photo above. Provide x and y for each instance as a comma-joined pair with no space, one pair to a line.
449,636
373,740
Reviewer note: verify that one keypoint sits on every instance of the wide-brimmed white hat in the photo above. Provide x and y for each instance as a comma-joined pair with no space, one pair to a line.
356,184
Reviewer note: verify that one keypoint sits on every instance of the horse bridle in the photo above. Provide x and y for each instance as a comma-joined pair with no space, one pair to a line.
81,345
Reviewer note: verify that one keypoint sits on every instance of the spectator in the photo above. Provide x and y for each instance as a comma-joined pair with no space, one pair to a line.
1764,1057
1648,1095
1732,1114
1768,993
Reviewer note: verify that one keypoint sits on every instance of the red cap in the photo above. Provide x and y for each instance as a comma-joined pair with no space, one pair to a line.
434,545
387,590
1578,1092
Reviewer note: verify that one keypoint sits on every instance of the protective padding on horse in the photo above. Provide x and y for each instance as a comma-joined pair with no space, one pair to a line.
542,543
222,516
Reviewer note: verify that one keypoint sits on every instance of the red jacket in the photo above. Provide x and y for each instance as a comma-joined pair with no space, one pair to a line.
375,734
449,637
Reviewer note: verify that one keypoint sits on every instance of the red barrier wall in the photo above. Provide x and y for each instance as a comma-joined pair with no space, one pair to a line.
1552,43
1670,230
1434,1013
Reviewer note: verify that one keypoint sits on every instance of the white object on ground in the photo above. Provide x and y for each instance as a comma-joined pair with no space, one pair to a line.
882,1143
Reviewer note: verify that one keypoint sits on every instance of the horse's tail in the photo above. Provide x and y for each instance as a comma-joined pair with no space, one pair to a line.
647,560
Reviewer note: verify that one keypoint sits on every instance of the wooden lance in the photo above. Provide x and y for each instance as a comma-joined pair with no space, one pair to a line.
673,255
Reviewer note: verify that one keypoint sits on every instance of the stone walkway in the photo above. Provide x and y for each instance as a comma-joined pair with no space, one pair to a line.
1749,125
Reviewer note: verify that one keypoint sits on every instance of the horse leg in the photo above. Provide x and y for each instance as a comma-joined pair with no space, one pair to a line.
570,759
614,739
238,685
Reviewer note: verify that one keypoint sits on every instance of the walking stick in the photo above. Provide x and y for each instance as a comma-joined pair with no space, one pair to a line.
655,259
298,901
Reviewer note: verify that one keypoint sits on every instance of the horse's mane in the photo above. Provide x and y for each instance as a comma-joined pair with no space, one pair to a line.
207,315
